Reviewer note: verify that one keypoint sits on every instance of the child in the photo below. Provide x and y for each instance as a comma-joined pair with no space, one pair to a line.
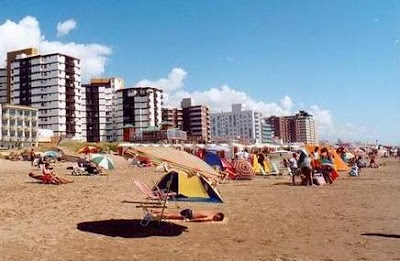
354,170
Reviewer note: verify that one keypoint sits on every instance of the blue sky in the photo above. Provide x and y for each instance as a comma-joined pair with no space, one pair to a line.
343,56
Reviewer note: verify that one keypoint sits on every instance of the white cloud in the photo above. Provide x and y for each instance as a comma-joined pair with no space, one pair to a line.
173,82
65,27
26,33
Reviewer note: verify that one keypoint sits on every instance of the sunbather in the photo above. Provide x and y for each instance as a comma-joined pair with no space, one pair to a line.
190,215
49,177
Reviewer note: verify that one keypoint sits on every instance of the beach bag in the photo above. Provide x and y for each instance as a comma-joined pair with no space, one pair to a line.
318,179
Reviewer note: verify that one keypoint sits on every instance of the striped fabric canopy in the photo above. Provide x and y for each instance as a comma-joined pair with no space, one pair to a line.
179,160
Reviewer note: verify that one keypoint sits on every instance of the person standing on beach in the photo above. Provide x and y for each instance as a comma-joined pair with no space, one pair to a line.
32,156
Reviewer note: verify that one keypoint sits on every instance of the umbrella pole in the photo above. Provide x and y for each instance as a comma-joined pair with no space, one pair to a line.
165,199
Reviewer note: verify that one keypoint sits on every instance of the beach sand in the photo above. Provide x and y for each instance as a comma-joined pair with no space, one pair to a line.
354,219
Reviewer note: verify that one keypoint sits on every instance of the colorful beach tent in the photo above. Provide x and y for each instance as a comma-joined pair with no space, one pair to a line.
229,169
192,188
212,159
340,165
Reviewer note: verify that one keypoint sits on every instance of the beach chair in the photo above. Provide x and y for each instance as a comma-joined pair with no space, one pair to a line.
154,195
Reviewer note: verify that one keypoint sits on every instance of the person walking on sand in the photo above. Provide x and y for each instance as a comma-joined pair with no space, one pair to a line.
305,165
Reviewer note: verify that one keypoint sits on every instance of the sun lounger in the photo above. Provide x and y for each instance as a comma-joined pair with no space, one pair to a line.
154,195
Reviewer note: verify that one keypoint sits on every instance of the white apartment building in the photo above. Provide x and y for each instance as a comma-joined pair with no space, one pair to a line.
18,125
238,124
52,84
100,106
3,86
138,109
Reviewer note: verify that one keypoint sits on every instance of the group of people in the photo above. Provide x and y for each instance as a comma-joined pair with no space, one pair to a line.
307,165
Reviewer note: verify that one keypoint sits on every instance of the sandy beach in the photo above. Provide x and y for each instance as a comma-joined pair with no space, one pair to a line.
354,219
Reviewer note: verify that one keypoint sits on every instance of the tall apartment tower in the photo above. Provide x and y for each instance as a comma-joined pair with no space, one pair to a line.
3,86
52,84
138,109
305,128
196,121
11,56
100,109
240,124
172,118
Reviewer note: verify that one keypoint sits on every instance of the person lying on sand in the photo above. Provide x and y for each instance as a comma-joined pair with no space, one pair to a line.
49,177
190,215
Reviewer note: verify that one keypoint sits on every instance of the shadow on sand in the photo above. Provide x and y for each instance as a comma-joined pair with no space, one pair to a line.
131,228
381,235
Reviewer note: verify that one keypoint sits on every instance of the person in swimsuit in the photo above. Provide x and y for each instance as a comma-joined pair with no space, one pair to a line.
190,215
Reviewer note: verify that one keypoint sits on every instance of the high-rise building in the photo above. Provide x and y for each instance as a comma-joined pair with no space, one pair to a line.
297,128
267,134
305,128
100,109
196,121
3,86
172,118
52,84
11,56
18,126
239,124
138,109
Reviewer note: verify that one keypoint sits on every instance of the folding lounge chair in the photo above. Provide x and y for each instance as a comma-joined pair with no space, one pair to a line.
154,195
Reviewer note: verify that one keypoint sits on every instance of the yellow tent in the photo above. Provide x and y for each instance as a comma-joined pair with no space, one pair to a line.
191,188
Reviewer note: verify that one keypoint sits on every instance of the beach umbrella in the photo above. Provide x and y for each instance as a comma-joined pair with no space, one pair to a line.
50,153
243,169
89,149
103,161
189,188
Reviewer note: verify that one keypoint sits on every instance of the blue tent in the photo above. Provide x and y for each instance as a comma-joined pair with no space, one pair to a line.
213,159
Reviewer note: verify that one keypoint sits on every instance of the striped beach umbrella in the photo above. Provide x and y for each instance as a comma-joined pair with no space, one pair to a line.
103,161
243,169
